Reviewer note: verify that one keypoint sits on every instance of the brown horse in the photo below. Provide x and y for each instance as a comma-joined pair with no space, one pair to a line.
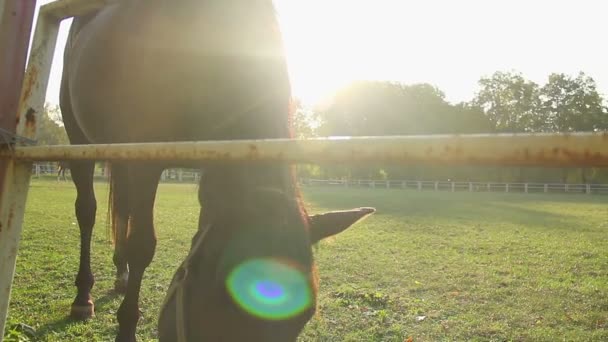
179,70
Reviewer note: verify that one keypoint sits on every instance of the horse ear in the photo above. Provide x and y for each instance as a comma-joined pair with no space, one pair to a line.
331,223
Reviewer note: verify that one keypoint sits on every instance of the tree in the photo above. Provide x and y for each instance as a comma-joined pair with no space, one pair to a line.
385,108
466,118
50,127
305,121
510,102
573,104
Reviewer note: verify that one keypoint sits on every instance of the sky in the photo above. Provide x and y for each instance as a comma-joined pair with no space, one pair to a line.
447,43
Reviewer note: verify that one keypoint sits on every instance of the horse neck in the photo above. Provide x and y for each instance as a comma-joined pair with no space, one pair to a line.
222,184
224,187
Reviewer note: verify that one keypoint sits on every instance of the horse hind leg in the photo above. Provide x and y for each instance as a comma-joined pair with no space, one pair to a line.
120,223
86,208
141,243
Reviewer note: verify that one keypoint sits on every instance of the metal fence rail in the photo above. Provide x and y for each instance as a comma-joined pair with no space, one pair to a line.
461,186
550,150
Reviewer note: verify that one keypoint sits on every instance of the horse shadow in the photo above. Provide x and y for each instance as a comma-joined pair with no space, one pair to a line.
104,303
474,208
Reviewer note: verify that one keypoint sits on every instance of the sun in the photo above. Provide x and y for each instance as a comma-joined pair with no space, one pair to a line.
323,53
332,43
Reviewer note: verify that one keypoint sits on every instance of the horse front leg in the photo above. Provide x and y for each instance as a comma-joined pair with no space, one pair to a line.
86,208
141,243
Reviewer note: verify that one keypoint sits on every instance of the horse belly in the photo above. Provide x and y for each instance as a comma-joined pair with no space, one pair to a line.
137,83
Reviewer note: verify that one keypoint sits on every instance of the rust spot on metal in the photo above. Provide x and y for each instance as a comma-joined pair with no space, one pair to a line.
526,153
11,214
28,87
253,151
555,150
30,118
587,154
568,153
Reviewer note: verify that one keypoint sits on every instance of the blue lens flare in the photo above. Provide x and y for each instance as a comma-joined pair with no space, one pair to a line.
269,289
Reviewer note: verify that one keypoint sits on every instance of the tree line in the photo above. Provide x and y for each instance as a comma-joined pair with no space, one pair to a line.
506,102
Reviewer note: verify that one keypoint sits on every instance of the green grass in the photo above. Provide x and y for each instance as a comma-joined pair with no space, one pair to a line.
480,267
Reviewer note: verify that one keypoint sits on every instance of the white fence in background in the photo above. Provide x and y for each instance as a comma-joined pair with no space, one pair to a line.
462,186
170,175
193,176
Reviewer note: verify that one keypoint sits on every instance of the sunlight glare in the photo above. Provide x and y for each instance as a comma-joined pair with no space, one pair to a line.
449,44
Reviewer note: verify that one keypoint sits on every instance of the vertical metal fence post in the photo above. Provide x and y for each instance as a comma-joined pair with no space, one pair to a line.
15,29
16,17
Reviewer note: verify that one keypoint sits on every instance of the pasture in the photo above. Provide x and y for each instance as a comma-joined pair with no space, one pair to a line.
430,266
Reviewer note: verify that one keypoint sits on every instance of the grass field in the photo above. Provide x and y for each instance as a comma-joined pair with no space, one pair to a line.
431,266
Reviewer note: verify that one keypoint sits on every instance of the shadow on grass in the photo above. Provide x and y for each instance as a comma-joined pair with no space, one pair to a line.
102,304
493,208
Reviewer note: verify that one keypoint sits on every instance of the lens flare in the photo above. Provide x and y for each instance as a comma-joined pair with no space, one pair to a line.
269,289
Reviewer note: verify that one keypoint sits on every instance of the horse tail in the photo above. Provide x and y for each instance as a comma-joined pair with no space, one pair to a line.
117,205
111,207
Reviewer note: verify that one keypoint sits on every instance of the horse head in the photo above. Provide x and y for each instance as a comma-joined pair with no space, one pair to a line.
250,273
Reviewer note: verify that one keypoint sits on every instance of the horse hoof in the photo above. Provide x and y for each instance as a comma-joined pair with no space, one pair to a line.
83,312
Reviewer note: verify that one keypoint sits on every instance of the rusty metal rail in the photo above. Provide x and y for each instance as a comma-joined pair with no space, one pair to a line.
15,19
62,9
581,149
